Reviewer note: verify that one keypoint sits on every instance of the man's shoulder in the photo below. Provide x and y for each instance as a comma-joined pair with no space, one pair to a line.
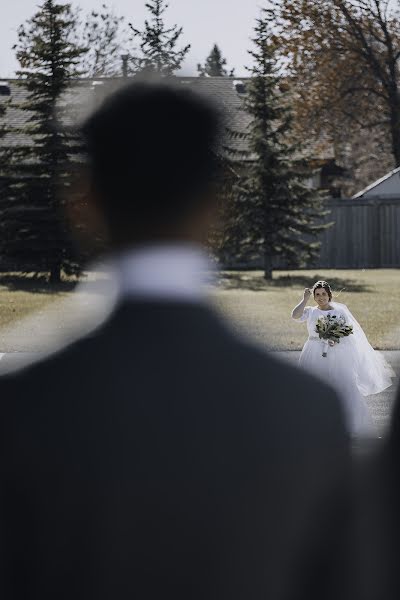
64,359
291,391
276,366
254,369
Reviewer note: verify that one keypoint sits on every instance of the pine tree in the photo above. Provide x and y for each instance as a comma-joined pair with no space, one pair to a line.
4,155
158,43
103,36
33,229
214,65
275,213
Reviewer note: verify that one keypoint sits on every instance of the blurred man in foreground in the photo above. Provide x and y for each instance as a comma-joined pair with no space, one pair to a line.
161,456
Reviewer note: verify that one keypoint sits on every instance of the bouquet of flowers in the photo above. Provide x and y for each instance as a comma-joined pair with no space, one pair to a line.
331,329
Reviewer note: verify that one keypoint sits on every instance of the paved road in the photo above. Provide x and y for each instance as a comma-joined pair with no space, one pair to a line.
380,405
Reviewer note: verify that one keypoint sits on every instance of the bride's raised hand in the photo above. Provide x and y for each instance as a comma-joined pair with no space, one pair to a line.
307,294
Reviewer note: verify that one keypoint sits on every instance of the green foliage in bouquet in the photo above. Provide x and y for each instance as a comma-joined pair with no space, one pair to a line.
333,328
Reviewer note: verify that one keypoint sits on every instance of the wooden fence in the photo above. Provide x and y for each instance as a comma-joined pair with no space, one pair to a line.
365,234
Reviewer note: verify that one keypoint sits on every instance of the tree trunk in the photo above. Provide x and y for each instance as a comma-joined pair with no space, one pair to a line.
267,267
395,126
55,273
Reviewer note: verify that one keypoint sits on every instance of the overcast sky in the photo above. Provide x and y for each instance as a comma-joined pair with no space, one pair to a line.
229,23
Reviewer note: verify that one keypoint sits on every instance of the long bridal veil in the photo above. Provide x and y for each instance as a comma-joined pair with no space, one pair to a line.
373,373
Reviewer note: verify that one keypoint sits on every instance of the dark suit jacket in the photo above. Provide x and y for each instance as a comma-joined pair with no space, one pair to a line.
377,519
161,456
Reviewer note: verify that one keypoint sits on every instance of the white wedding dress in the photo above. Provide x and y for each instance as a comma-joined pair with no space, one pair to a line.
352,367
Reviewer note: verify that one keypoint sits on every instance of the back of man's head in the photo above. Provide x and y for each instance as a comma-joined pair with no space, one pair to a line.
152,150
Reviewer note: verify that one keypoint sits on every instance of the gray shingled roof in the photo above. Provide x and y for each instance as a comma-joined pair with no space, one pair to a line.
84,94
14,117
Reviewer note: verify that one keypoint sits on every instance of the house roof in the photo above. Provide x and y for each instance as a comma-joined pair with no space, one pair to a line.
389,184
84,94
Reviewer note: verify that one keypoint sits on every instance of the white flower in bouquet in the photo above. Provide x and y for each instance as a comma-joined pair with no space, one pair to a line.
331,329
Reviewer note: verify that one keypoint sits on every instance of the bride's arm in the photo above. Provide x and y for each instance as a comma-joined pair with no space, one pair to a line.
298,310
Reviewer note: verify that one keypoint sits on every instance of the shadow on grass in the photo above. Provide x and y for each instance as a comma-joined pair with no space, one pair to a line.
255,282
20,282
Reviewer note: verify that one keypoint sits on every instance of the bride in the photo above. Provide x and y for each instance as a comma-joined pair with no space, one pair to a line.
353,367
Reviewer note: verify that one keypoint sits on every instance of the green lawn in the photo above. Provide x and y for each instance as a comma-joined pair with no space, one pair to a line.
262,309
21,296
32,313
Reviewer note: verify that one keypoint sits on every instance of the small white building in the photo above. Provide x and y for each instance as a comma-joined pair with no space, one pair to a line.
388,185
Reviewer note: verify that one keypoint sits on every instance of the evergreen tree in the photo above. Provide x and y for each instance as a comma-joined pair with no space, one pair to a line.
4,155
158,43
214,65
103,37
3,109
33,229
275,214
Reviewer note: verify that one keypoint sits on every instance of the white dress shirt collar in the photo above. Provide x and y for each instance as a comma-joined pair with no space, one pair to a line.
170,271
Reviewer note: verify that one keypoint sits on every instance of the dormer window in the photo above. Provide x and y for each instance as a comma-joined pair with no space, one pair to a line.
239,86
4,89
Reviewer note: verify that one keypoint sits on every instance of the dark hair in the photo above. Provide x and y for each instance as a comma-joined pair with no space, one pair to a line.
152,152
324,285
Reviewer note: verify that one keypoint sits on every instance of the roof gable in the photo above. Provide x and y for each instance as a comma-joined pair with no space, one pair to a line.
388,185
